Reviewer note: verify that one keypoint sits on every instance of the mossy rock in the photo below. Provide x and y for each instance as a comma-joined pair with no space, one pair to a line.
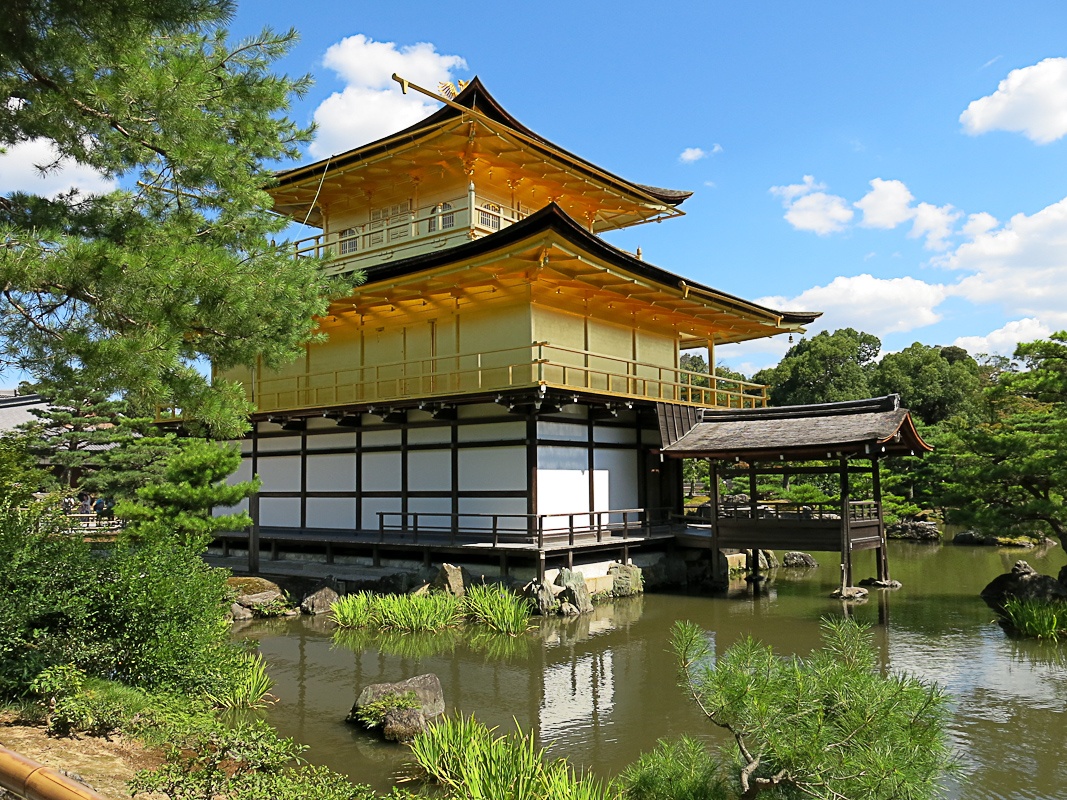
248,585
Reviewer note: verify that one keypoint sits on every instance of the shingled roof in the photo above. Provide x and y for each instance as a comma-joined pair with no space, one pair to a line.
875,426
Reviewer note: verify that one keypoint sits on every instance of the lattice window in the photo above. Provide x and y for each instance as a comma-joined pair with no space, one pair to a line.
443,212
489,216
349,242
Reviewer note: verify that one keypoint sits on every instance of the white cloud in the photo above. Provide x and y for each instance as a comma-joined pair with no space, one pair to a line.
371,105
875,305
982,222
1003,341
808,209
886,205
936,223
19,173
1031,101
691,154
1022,266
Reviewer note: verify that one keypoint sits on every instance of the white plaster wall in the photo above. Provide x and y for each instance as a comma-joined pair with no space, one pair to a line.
381,472
372,505
492,468
280,473
246,446
222,511
381,438
332,512
432,506
615,481
492,432
441,435
331,473
280,511
562,431
562,484
430,470
242,473
324,441
279,444
494,505
615,435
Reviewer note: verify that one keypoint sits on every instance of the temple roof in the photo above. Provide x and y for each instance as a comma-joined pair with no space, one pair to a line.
475,97
877,426
554,235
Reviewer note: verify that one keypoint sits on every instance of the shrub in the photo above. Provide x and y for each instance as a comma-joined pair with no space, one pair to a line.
676,770
372,714
1036,618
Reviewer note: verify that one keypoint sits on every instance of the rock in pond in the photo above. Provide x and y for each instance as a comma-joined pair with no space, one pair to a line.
453,580
876,583
240,613
320,601
797,560
403,724
541,596
427,689
574,591
1024,583
849,593
259,599
626,580
914,530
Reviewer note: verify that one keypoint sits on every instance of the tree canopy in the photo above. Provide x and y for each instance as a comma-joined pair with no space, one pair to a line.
934,383
139,286
827,368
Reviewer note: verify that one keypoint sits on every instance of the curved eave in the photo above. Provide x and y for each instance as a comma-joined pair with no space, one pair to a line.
910,440
552,218
475,97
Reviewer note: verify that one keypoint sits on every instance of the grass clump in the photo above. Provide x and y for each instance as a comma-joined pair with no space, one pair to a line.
250,687
407,612
468,759
1037,618
372,714
498,608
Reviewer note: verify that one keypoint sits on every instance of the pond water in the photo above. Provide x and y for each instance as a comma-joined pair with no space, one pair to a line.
601,689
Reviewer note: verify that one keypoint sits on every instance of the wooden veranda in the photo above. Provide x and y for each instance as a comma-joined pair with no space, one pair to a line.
744,445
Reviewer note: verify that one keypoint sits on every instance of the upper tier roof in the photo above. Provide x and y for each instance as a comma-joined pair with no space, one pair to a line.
476,98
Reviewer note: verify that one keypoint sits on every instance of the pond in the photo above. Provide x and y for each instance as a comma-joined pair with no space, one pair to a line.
601,689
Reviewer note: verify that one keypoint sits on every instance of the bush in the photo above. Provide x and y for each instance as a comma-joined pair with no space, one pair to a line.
828,726
675,770
149,616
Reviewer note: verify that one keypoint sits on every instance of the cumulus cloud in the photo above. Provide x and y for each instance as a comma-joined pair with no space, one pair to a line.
875,305
691,154
19,172
982,222
371,105
1022,265
810,209
1031,101
936,223
886,205
1003,340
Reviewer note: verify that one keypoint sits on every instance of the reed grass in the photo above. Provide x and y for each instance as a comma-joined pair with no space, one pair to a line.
1037,618
250,687
500,609
408,613
353,610
468,759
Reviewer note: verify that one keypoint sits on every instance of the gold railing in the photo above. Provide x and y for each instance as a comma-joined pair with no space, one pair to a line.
411,231
25,778
536,364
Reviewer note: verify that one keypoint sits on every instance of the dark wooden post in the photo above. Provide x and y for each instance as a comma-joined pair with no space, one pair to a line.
846,535
882,566
753,513
253,508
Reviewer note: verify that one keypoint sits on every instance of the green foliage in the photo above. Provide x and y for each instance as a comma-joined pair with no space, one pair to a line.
372,714
75,702
499,608
249,687
934,383
247,762
407,612
828,726
20,476
177,506
137,285
468,760
682,769
1036,618
148,616
827,368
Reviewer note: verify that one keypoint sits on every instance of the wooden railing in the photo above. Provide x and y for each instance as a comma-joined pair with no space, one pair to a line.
540,363
780,509
540,529
410,231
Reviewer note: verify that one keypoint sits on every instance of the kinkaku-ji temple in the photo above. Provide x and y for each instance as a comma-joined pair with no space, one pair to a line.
506,388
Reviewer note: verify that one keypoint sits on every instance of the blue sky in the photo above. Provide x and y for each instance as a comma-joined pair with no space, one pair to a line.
960,239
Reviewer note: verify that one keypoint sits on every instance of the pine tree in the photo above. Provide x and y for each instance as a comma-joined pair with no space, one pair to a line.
139,285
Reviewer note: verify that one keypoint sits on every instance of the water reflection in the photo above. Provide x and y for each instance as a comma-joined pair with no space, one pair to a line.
600,689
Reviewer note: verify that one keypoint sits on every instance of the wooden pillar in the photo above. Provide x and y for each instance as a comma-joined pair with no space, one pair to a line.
714,398
753,513
253,509
846,535
882,566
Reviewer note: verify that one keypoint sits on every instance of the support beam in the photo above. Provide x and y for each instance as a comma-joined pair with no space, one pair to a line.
846,535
